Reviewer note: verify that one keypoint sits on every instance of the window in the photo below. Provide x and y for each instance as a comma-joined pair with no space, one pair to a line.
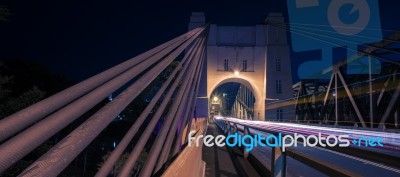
276,35
278,86
278,64
279,114
244,67
226,65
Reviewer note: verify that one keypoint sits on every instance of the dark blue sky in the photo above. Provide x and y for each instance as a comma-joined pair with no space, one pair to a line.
82,38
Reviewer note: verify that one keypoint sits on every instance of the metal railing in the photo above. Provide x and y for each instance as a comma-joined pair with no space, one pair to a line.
277,156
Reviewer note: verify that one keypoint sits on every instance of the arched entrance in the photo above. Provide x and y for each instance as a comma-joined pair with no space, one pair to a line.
232,99
256,90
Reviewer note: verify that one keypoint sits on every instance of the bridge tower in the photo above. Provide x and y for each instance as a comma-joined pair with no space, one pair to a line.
279,76
257,57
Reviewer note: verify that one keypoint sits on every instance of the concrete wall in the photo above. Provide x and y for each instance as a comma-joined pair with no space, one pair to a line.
278,49
237,44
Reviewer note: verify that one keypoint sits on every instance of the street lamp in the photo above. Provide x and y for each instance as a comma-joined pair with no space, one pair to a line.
215,98
236,72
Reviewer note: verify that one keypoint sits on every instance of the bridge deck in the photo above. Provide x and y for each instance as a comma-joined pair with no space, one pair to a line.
225,161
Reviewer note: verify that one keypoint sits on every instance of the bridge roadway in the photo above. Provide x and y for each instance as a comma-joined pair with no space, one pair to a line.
225,161
350,165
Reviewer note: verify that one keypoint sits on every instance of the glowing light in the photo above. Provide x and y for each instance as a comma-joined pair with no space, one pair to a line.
272,99
392,139
215,98
236,72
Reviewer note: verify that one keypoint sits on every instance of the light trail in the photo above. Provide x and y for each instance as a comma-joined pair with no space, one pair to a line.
390,140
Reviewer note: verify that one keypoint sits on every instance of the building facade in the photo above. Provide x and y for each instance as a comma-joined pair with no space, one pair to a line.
257,57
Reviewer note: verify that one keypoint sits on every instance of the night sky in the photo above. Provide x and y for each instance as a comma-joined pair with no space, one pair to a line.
82,38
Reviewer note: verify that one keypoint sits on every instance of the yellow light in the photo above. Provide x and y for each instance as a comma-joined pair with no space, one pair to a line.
215,98
236,72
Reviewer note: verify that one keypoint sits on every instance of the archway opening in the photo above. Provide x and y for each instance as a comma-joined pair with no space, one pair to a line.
232,99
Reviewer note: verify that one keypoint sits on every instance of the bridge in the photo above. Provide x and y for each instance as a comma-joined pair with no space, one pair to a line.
186,107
